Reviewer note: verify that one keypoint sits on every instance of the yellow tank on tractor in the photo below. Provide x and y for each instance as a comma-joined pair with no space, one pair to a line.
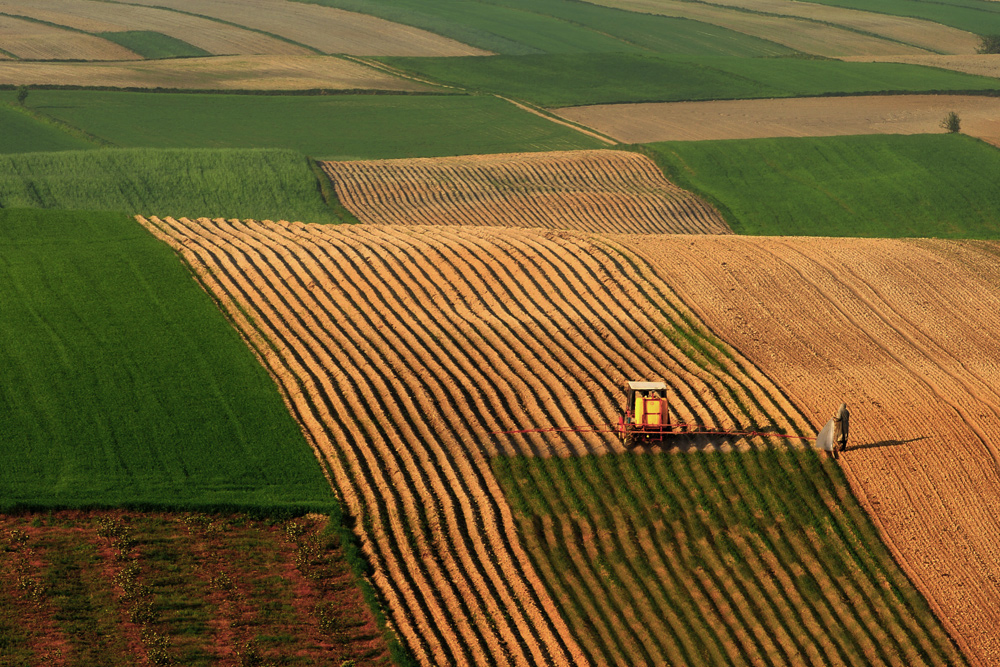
646,415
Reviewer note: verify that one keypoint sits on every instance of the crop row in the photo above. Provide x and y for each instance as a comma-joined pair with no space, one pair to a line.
401,349
595,191
906,333
759,557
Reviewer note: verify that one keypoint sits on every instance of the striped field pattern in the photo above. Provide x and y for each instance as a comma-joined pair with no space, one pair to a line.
400,349
592,191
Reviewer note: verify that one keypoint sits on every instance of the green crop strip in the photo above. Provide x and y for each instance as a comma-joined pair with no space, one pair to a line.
722,558
121,384
150,44
883,186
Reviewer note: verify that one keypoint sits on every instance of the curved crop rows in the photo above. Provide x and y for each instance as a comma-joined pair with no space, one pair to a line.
906,333
400,349
594,191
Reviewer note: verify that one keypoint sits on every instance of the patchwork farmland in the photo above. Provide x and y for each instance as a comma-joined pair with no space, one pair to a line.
381,335
597,191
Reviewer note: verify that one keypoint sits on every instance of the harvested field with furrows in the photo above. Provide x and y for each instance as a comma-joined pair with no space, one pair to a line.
594,191
802,35
98,16
125,588
795,117
904,331
327,29
980,64
216,73
30,40
395,348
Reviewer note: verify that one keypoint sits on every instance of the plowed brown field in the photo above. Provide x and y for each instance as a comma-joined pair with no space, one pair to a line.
38,41
94,16
400,349
906,332
795,117
215,73
325,28
595,191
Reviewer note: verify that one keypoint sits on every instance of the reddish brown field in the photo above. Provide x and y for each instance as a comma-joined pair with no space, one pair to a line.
402,349
121,588
595,191
906,332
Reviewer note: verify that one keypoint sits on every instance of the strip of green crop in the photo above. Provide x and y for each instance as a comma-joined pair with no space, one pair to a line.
324,126
725,558
884,186
121,384
259,184
149,44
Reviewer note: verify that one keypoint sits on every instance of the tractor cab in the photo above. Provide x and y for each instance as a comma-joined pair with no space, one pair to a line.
646,414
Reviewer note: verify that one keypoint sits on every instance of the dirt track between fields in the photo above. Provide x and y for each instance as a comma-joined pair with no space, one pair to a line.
792,117
596,191
906,333
401,349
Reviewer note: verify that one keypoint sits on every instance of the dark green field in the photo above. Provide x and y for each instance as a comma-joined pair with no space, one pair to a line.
150,44
521,27
121,384
886,186
569,80
232,183
717,558
335,126
24,134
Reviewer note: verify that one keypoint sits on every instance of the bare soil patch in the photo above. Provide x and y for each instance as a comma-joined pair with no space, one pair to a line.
906,333
90,16
38,41
794,117
325,28
801,35
401,349
216,73
596,191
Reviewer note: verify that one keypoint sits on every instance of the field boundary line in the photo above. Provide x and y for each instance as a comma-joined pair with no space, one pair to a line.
561,121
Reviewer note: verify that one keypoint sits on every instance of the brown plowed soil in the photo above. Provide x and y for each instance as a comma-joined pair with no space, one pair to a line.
906,333
325,28
401,350
594,191
37,41
215,73
793,117
89,16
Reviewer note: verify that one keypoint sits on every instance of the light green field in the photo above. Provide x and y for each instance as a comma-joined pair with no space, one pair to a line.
718,558
521,27
121,383
24,134
232,183
150,44
570,80
883,186
334,126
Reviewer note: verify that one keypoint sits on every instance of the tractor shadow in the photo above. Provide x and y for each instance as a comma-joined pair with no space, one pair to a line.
885,443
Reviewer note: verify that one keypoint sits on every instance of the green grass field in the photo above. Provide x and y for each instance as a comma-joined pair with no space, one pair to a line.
150,44
24,134
888,186
718,559
334,126
232,183
121,384
569,80
521,27
977,16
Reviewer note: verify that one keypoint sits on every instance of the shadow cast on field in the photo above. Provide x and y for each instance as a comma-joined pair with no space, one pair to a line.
886,443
